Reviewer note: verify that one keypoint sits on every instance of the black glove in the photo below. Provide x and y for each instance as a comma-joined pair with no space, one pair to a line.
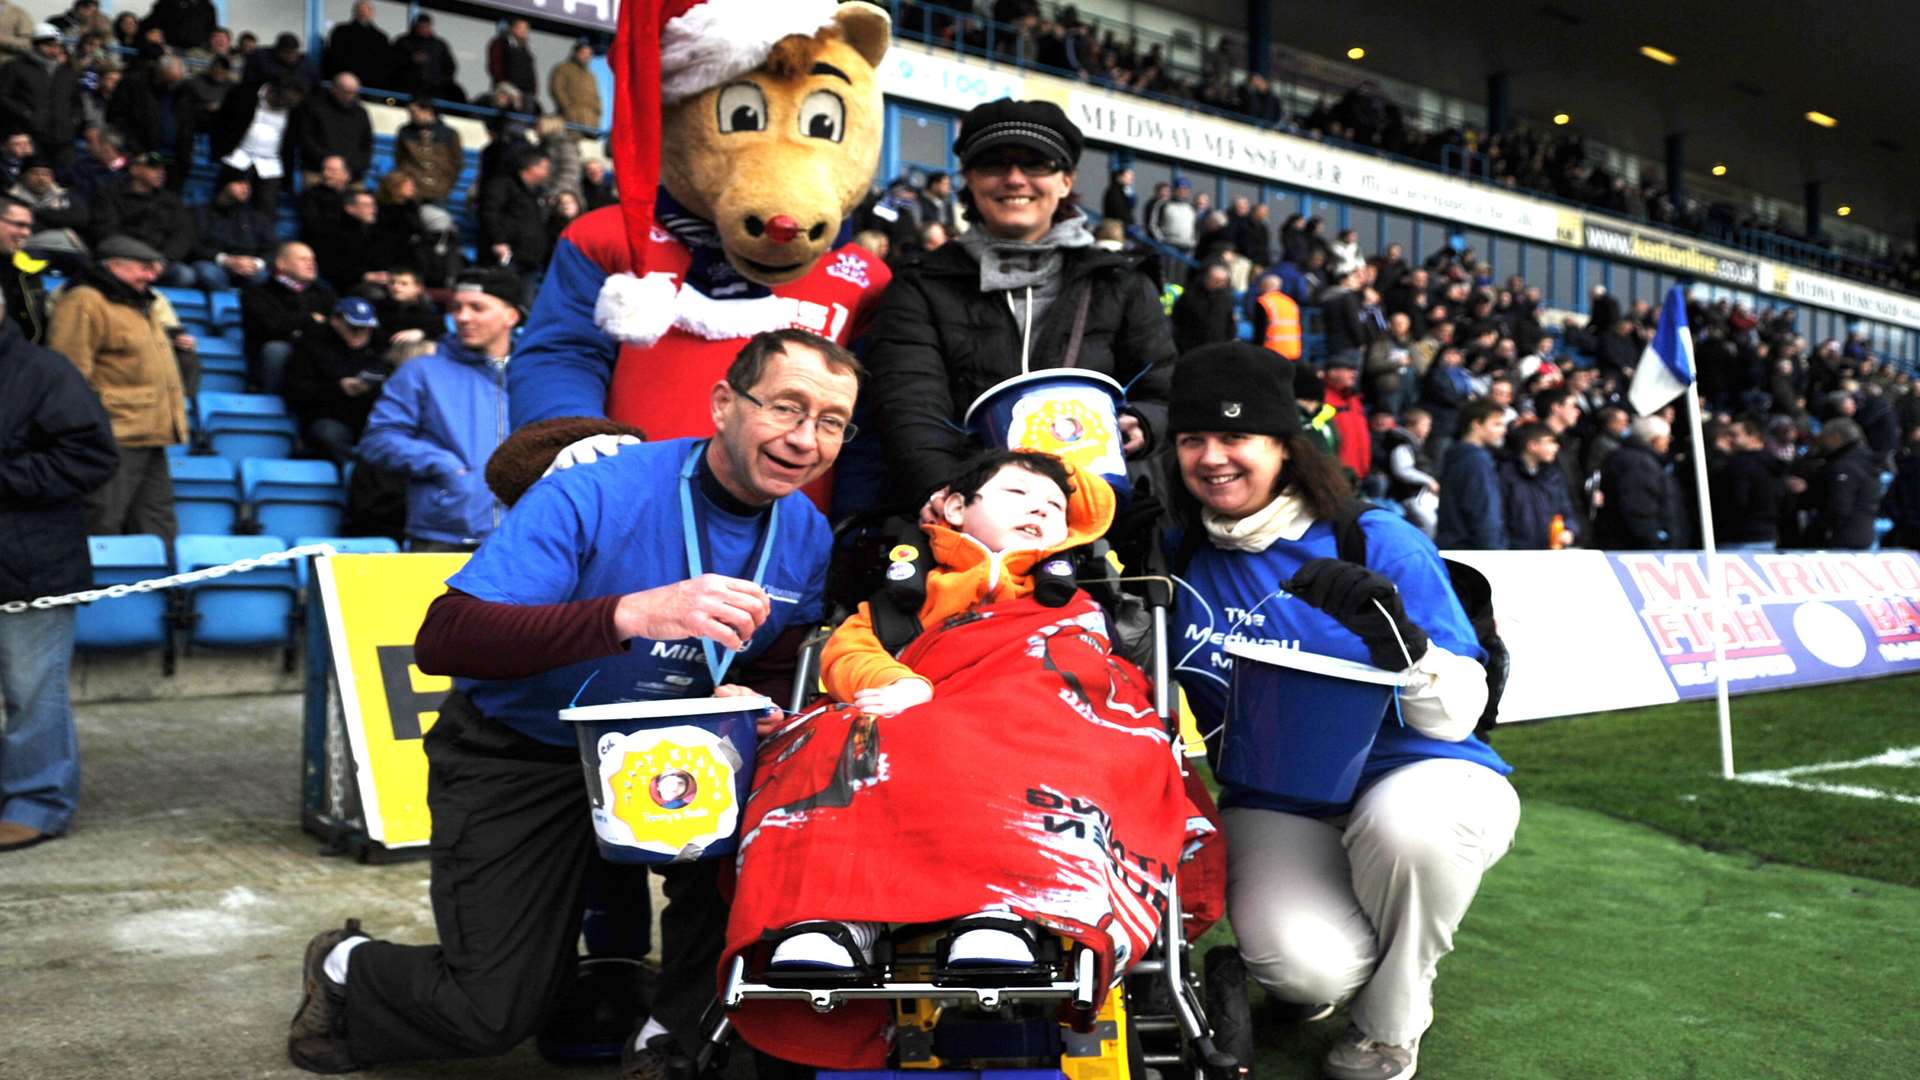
1347,591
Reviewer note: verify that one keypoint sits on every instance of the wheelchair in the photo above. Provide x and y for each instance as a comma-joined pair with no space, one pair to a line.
1028,1023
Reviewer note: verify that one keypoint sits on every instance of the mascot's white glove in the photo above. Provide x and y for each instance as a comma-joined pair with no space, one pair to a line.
587,450
896,697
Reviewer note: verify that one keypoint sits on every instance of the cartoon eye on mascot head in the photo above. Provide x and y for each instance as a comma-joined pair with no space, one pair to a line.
746,131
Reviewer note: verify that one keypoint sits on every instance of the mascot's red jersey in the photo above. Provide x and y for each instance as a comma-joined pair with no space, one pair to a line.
566,365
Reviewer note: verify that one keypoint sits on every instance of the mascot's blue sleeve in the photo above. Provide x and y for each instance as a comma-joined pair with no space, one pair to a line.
564,362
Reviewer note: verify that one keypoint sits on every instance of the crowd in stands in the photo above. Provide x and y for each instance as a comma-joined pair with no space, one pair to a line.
1550,163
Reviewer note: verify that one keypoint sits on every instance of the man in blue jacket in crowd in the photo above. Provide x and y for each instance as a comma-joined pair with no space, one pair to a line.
443,415
1471,516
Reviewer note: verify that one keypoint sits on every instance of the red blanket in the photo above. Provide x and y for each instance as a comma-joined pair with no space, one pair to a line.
1038,779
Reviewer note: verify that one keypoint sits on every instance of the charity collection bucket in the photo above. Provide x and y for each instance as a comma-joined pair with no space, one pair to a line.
666,780
1299,724
1069,413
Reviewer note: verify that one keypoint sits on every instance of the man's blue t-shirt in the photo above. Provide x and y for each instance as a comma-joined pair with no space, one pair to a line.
1240,596
614,527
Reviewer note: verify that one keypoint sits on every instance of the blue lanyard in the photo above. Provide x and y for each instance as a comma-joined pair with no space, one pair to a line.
717,661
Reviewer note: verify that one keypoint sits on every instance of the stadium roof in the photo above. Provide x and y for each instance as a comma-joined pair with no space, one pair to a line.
1746,76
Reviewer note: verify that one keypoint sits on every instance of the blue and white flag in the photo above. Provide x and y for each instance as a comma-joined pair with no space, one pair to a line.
1666,368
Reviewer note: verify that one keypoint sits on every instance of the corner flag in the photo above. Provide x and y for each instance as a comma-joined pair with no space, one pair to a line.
1666,367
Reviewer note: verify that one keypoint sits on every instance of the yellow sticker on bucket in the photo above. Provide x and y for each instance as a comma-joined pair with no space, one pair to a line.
668,791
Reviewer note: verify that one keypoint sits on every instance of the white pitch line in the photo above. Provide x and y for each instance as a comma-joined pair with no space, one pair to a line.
1908,757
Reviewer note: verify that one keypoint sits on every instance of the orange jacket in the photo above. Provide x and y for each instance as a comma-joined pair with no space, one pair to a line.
1283,324
965,575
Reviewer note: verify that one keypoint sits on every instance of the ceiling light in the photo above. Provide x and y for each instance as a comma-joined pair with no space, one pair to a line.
1843,211
1822,119
1356,53
1719,170
1659,55
1562,119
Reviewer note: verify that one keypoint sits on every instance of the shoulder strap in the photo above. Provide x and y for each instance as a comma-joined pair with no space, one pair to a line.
895,628
1079,327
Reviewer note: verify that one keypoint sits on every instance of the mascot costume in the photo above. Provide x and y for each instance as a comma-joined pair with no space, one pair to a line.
746,131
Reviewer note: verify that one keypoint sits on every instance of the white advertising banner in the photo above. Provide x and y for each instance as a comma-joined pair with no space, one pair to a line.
1287,159
1806,287
941,80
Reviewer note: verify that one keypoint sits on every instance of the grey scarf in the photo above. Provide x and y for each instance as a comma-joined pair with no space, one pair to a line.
1017,264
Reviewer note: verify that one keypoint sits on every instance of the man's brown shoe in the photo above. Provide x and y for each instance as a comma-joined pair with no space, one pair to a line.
317,1040
14,836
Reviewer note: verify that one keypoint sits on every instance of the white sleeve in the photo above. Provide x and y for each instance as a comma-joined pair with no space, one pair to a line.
1445,695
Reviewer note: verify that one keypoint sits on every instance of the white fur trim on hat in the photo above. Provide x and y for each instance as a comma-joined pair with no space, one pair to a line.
721,39
636,310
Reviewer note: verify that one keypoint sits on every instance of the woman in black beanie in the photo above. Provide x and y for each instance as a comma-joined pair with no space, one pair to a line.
1350,899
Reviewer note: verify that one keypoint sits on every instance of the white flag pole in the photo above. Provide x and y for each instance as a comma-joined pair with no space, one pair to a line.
1716,594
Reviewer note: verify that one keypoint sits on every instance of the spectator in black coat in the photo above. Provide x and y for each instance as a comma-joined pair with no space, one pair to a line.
56,447
513,224
423,65
323,198
1640,501
1844,494
147,106
597,188
1204,313
510,60
286,63
360,47
209,88
277,313
142,207
231,238
334,378
1903,498
1117,201
334,124
407,313
1252,232
1533,491
21,288
1618,350
186,24
1746,494
1340,315
255,130
40,94
358,248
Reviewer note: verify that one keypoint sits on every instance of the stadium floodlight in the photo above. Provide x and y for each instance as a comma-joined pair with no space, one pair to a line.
1719,170
1843,211
1659,55
1562,119
1356,53
1818,117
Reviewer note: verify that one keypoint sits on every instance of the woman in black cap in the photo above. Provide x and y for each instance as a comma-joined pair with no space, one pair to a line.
1333,899
1023,289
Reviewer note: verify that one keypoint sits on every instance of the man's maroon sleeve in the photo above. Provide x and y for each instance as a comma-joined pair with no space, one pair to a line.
478,639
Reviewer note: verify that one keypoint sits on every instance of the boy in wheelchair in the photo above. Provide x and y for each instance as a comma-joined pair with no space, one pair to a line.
1005,770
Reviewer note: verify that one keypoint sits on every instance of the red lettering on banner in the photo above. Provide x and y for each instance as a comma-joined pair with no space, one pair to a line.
1790,578
1736,578
1681,580
1749,628
1896,615
1689,632
1902,571
1860,568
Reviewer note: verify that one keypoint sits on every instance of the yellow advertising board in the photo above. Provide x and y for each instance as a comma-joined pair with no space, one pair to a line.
374,605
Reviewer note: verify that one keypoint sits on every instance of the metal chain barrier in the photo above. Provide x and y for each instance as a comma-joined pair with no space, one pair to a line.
110,592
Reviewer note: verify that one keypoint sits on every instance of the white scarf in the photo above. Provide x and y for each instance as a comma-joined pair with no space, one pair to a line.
1285,518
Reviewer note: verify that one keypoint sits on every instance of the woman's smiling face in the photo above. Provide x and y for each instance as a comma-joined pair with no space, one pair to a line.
1232,473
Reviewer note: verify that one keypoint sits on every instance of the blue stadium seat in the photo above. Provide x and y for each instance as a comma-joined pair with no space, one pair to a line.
206,493
223,382
219,346
187,303
254,608
225,307
138,621
294,498
345,545
240,426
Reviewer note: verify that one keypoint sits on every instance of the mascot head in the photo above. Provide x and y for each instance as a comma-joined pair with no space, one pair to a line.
766,123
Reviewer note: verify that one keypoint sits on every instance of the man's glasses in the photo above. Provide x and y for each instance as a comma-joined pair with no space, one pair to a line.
789,417
996,166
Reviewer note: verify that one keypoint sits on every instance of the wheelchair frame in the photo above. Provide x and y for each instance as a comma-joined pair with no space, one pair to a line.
1165,975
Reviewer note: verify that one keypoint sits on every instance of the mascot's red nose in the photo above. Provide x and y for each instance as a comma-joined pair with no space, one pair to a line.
781,229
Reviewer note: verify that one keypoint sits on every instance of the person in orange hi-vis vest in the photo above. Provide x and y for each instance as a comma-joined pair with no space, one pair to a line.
1276,323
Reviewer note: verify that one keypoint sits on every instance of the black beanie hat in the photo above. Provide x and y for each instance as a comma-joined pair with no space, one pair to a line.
1233,386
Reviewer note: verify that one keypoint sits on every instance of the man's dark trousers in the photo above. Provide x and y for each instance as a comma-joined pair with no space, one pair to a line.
510,852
